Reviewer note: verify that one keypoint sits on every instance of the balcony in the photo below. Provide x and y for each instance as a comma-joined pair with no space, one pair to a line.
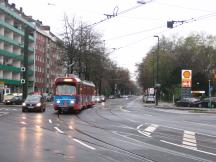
14,69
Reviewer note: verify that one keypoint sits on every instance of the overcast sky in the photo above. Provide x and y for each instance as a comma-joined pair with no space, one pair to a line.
132,30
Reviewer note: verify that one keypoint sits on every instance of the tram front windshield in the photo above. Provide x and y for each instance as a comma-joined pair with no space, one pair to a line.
65,89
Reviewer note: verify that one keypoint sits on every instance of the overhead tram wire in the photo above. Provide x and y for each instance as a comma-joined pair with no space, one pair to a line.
115,14
135,33
184,21
197,19
179,6
138,41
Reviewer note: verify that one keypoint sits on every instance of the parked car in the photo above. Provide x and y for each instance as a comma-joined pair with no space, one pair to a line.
34,102
187,102
206,103
97,99
111,97
16,100
103,98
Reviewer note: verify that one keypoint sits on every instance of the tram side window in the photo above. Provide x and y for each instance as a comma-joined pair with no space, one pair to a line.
78,88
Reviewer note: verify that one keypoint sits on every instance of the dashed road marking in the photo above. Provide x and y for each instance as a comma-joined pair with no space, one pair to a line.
50,121
24,123
4,109
82,143
60,131
121,108
3,113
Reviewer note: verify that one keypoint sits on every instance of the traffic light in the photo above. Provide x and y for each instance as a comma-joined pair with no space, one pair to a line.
170,24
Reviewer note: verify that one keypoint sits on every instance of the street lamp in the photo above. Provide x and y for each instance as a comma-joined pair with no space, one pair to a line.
157,60
210,93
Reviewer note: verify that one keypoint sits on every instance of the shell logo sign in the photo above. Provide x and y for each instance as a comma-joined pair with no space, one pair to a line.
186,78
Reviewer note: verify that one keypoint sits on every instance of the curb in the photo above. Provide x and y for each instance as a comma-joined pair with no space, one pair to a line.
195,110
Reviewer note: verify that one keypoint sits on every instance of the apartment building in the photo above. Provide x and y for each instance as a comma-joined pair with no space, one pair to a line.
44,51
12,31
48,54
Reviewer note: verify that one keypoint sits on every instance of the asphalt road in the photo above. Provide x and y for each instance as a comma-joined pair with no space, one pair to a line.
119,130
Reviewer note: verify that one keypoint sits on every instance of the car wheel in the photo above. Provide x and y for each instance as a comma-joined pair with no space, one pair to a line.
188,105
23,110
200,105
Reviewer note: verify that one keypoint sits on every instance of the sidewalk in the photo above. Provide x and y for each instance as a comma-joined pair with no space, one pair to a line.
168,105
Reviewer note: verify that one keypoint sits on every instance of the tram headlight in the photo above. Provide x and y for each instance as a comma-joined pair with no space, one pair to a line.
72,101
58,101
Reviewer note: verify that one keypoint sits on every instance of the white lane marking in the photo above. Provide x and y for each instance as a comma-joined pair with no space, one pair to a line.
132,139
204,124
23,122
125,127
139,126
50,121
144,133
134,121
151,128
3,113
70,127
187,147
80,142
56,128
214,136
121,108
189,132
189,139
37,126
148,131
148,114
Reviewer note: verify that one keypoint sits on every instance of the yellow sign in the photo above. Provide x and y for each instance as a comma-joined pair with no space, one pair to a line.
186,74
186,78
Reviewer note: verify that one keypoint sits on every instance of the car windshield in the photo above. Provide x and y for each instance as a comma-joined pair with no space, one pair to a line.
35,98
65,90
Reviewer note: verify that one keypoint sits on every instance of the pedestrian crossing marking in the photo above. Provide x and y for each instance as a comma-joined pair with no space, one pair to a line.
189,139
148,131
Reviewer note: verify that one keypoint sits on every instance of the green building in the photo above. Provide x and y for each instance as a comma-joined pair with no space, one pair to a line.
13,23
